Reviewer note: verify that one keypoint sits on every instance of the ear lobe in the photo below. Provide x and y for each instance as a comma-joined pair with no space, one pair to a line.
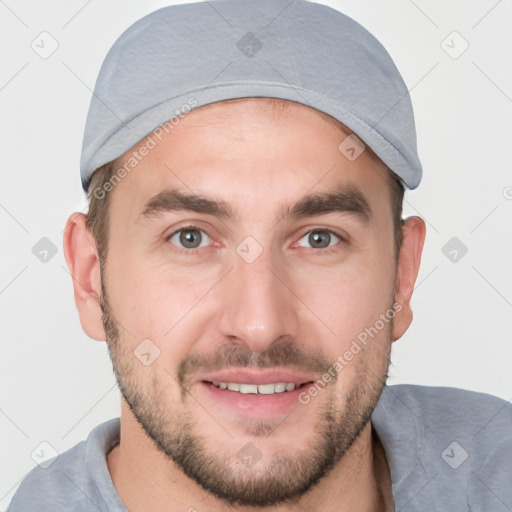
84,266
414,231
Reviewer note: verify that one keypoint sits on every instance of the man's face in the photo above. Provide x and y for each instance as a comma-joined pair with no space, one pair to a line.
262,288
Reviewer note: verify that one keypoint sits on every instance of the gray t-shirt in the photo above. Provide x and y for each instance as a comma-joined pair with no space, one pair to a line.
447,449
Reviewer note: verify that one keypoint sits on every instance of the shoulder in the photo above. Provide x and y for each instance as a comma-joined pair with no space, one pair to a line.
444,407
457,443
52,484
63,482
447,401
480,420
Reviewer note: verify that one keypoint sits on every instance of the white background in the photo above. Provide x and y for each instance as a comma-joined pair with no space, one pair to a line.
57,384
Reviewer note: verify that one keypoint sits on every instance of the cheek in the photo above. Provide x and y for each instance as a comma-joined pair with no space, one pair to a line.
348,300
153,301
357,339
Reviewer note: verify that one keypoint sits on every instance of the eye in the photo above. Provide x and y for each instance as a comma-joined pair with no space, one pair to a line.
190,238
319,239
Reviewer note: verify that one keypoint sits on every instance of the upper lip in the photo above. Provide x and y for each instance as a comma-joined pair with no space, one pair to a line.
257,376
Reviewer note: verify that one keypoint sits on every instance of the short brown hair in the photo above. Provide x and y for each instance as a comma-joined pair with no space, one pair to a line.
98,220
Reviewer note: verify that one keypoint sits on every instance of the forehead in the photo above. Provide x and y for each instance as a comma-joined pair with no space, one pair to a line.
248,149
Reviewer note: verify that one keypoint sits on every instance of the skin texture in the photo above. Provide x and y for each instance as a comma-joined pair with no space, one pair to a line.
295,307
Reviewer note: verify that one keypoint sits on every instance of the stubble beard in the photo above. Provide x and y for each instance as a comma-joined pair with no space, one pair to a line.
284,478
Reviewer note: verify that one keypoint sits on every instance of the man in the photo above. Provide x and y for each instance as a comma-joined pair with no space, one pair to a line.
245,259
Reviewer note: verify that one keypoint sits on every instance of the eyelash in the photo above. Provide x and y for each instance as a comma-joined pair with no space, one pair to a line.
181,250
192,252
326,250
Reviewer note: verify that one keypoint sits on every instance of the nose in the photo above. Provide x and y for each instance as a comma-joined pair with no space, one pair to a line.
259,307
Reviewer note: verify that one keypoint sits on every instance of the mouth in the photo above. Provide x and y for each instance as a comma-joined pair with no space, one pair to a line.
258,389
254,394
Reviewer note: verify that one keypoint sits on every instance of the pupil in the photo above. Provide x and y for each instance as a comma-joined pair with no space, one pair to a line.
319,239
190,238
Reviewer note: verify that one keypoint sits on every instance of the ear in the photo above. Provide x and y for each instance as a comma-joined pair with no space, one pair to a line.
84,266
408,266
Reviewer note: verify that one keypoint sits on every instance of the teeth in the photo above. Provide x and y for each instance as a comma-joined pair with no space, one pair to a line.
266,389
280,387
261,389
248,388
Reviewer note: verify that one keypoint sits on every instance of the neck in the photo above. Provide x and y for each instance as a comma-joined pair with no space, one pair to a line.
146,479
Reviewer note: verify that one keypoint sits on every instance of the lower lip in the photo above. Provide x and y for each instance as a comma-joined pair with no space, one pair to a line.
253,405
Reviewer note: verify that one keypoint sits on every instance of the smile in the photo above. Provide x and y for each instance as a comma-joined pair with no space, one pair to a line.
257,389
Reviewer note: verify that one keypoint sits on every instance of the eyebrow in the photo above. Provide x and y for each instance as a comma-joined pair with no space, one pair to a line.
171,200
344,199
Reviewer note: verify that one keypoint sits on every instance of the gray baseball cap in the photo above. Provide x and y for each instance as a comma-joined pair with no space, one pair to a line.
183,57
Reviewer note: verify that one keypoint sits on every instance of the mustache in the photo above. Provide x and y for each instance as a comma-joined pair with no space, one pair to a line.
286,355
